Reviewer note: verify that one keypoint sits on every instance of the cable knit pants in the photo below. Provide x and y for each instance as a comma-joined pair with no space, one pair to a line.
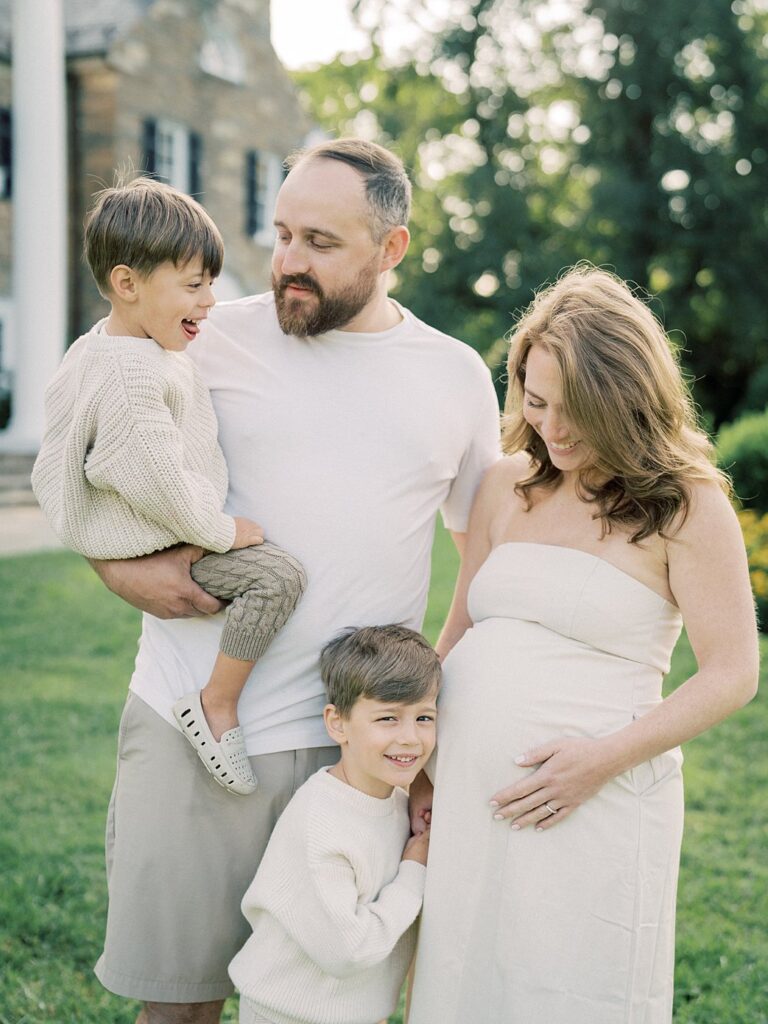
263,584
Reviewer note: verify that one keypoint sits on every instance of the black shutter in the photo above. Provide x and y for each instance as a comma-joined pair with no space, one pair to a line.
195,164
252,193
6,155
149,155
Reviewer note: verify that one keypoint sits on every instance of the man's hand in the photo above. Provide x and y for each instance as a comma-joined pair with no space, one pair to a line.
160,583
420,803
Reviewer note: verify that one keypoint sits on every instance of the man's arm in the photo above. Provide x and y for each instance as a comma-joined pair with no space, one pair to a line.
159,583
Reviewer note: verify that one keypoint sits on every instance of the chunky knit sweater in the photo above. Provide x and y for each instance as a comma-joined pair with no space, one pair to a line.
332,908
130,462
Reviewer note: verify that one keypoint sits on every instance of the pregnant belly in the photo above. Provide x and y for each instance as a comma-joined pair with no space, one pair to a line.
509,685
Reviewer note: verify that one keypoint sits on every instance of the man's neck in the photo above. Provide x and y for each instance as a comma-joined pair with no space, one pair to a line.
381,314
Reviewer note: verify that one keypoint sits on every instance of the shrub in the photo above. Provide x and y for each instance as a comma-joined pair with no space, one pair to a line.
742,451
755,529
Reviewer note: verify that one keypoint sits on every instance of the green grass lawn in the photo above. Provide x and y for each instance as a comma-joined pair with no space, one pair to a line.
67,650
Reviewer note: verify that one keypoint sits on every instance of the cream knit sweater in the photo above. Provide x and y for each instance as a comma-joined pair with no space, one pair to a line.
130,461
332,908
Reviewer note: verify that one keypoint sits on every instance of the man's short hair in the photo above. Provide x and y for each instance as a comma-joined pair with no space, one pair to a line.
144,223
387,188
391,664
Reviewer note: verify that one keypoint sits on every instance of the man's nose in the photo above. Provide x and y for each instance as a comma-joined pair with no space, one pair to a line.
293,260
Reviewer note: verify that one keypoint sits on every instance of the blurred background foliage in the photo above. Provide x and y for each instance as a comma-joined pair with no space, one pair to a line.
631,133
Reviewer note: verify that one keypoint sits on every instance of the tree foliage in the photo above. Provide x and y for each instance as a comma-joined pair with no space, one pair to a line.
627,132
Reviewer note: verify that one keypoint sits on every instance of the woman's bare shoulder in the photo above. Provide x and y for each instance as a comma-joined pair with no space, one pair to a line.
709,511
497,490
509,470
707,495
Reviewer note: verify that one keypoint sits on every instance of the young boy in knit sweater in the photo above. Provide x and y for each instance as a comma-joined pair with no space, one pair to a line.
338,890
130,462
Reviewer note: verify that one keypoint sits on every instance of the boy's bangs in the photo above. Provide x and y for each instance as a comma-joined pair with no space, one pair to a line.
202,244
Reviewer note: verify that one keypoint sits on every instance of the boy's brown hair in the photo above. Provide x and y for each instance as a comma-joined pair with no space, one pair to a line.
144,223
391,664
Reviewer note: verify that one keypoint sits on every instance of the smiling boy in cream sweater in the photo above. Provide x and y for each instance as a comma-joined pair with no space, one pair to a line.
334,901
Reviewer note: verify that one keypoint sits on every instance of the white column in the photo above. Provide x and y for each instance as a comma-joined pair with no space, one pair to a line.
39,213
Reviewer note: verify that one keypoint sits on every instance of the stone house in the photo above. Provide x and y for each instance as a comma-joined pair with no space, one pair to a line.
189,90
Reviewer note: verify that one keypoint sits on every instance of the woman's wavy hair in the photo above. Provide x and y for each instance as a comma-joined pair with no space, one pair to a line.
625,397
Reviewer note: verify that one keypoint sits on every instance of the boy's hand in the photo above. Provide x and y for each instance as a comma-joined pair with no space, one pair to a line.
420,802
160,583
417,848
246,533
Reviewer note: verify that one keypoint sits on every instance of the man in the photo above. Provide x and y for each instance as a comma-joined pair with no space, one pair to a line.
346,424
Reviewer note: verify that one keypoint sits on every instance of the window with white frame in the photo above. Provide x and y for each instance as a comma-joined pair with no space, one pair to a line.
173,154
263,177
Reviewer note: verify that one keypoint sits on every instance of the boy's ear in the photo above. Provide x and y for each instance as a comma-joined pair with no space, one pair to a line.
123,283
334,724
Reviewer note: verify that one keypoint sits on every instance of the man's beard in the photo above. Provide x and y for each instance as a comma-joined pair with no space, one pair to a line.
306,319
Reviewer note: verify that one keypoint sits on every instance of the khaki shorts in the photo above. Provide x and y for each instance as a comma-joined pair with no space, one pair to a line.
181,852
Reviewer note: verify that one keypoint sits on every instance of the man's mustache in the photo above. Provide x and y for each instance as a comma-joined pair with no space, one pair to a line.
301,281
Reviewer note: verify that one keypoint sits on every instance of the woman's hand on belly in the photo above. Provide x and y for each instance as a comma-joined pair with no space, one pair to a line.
568,771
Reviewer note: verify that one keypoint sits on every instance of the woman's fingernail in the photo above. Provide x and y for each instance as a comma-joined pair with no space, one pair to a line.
519,760
539,828
494,803
515,827
498,817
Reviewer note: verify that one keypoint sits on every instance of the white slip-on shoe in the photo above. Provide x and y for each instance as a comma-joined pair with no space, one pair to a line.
226,758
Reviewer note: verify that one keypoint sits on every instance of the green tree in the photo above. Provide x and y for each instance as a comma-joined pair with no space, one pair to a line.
621,131
678,127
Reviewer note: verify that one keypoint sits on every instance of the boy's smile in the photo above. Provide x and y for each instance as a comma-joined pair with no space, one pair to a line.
383,745
166,305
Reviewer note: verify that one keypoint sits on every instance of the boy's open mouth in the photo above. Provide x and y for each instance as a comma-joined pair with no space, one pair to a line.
191,328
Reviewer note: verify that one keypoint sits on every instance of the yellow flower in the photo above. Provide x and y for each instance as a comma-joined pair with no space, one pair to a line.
754,528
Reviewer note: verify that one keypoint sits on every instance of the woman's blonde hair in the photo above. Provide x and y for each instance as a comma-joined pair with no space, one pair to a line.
623,394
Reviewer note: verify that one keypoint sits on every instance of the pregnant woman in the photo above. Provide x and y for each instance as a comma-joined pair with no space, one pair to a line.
558,805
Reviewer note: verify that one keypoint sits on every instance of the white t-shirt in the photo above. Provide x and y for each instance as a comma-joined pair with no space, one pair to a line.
343,447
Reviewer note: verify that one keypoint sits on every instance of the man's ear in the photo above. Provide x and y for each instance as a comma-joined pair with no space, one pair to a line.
123,283
395,244
334,724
